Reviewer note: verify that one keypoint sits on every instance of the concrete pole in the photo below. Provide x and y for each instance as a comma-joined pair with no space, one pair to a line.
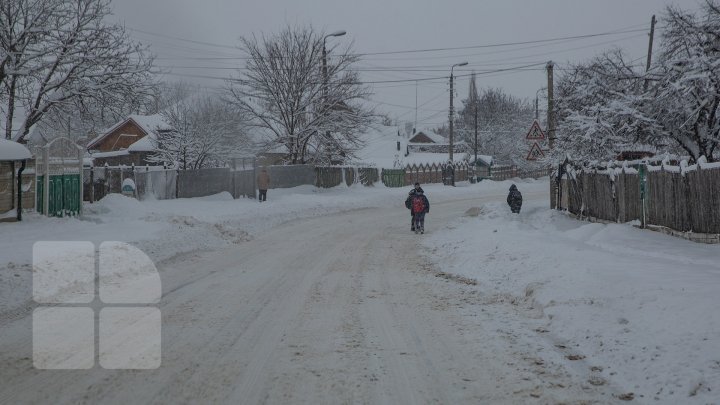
551,106
650,48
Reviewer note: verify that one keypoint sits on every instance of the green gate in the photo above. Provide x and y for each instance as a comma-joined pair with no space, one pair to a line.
393,177
64,195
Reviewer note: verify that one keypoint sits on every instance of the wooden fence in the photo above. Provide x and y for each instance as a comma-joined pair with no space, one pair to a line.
684,200
434,173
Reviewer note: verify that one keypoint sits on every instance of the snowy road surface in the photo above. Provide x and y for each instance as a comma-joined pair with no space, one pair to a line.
324,296
337,309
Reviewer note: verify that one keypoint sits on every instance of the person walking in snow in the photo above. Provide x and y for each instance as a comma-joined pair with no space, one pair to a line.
419,206
263,182
408,203
514,199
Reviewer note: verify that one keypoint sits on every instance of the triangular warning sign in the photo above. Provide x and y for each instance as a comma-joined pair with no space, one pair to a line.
535,152
535,133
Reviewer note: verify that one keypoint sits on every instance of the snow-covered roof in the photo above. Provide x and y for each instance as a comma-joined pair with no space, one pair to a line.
146,144
381,150
486,159
381,146
148,123
10,150
439,139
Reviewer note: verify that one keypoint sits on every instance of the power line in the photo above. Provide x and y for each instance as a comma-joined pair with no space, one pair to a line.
411,51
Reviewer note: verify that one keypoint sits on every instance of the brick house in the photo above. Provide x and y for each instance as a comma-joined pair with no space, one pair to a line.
129,142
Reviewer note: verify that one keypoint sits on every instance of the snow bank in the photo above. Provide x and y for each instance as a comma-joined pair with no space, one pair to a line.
640,306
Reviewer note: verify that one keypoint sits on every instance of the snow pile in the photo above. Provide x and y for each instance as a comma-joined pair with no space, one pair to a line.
638,307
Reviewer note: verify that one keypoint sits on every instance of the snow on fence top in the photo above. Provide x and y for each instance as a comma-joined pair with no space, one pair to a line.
10,150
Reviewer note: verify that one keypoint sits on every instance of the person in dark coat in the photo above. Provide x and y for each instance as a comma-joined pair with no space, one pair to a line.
419,206
514,199
408,201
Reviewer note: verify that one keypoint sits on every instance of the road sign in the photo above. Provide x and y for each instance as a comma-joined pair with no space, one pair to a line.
535,152
535,133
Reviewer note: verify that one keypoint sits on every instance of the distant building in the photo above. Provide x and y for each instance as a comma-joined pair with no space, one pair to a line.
425,141
130,141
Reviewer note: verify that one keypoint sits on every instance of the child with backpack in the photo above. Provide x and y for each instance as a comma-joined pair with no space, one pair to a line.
514,199
419,206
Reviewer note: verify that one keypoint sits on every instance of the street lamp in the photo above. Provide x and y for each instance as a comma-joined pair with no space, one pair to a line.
324,55
451,115
325,76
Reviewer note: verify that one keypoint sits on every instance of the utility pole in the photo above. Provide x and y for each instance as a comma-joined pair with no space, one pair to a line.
476,130
452,111
473,97
551,106
650,48
416,98
450,118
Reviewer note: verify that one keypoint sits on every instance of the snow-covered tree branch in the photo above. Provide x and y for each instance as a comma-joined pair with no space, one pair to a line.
58,54
287,97
202,131
608,104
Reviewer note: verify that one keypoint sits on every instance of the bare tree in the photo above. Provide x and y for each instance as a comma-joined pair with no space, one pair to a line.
503,121
60,54
288,98
202,131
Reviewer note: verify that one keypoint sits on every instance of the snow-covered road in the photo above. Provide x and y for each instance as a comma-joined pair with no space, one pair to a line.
324,296
342,308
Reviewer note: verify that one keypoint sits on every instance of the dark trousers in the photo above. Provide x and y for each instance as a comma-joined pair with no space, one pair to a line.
263,195
419,220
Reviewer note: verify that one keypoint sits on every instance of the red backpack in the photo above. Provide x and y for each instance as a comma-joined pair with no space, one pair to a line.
418,204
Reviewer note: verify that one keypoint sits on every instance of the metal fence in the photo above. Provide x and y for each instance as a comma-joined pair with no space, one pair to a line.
506,172
678,199
156,182
332,176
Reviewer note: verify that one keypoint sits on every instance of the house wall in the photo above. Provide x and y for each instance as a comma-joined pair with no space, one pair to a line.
132,158
114,141
8,186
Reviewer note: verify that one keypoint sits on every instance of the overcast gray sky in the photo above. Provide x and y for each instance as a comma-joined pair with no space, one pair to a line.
399,25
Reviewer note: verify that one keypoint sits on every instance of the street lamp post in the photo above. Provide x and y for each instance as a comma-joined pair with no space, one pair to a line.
451,115
324,56
325,81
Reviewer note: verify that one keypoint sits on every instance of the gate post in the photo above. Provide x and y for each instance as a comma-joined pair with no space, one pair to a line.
46,181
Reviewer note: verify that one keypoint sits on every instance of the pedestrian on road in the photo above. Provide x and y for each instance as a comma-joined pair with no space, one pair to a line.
263,182
419,206
514,199
408,202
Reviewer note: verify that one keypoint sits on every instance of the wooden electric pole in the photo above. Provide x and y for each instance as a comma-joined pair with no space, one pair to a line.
650,48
